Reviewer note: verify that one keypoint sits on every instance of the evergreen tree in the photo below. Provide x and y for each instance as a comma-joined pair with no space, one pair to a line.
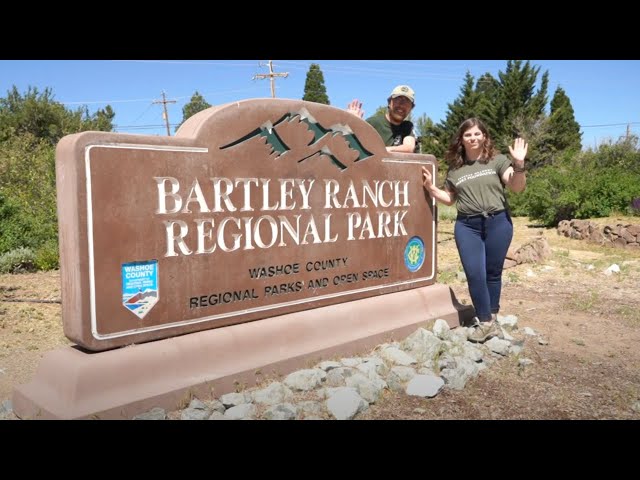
517,104
381,110
314,89
540,99
521,111
463,107
101,121
195,105
565,131
428,136
488,91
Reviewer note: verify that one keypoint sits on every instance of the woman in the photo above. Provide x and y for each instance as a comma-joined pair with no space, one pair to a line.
476,183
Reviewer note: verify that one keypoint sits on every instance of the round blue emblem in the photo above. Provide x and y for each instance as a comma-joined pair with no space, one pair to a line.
414,254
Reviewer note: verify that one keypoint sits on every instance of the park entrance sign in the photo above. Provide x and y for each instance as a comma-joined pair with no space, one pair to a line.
253,210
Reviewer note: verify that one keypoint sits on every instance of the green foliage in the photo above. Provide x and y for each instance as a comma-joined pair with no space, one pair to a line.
47,256
565,131
517,98
537,132
584,185
463,107
17,261
314,89
480,102
27,193
101,121
520,110
31,124
510,106
15,228
624,153
41,116
195,105
430,143
381,110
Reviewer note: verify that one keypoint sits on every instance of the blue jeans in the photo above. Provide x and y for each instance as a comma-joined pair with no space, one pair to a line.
482,244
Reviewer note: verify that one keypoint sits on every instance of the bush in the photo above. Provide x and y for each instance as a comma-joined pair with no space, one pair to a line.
556,193
47,256
14,227
27,194
19,260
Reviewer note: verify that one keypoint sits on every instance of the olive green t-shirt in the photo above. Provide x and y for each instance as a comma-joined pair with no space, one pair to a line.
392,135
479,187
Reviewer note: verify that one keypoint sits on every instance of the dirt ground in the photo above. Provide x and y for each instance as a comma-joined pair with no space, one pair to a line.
589,368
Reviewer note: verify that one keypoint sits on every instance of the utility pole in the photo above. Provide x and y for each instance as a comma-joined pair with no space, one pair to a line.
165,115
271,75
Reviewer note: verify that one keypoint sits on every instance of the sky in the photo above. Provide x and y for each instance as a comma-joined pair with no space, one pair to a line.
605,94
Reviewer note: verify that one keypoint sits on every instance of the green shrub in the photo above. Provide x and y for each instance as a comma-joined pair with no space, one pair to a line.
27,193
47,256
14,227
590,184
556,193
19,260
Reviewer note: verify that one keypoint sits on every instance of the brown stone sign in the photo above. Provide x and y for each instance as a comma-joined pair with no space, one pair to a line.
254,209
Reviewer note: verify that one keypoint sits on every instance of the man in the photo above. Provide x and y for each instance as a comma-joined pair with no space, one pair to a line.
396,132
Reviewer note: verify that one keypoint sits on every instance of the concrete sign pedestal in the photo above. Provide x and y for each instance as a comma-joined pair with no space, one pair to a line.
121,383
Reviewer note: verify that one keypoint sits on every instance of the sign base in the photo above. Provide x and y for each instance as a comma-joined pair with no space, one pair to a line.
118,384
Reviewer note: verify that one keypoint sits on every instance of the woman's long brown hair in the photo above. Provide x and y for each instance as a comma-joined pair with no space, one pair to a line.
455,154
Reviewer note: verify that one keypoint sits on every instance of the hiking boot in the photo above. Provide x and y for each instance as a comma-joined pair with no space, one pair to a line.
484,332
475,322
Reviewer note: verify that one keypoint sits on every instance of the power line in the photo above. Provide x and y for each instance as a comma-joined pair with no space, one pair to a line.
422,72
120,128
142,127
611,124
219,92
107,101
418,74
184,62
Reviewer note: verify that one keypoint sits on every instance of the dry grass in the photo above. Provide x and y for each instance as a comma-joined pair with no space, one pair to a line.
589,370
591,367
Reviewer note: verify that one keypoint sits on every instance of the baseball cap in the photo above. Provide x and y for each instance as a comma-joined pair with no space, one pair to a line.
404,91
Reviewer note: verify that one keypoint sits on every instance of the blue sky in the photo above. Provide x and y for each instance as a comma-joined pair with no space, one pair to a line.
605,94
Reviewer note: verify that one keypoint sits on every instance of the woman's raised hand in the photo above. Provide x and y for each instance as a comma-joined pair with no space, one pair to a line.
519,151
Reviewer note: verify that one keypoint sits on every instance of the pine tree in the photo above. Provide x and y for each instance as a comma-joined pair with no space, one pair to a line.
565,131
463,107
314,89
195,105
381,110
540,99
428,136
519,109
488,91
